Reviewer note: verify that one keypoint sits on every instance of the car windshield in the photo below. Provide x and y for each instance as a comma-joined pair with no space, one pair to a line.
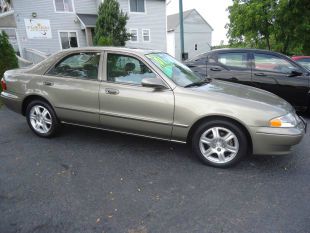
180,74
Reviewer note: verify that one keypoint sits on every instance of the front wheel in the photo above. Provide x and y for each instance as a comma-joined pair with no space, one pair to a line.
219,143
41,119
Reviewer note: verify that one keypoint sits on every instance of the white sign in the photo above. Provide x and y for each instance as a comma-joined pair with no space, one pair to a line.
38,28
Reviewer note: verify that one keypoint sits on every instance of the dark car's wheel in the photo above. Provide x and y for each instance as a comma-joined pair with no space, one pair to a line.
42,119
219,143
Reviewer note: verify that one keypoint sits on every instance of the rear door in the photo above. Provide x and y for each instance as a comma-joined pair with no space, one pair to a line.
72,85
230,66
273,73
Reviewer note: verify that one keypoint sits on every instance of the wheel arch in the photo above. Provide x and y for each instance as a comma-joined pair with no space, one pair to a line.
219,117
30,98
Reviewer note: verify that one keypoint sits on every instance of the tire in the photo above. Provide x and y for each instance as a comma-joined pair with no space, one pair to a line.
219,143
42,119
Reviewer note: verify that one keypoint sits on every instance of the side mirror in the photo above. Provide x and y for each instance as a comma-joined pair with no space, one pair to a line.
294,73
153,82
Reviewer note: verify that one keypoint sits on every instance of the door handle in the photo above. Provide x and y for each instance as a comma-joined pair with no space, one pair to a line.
260,74
111,91
215,69
48,83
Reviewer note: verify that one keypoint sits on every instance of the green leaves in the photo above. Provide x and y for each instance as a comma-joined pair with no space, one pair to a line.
111,25
8,59
280,25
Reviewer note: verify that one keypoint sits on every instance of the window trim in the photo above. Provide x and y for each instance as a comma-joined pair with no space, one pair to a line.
68,31
138,13
65,12
149,31
134,29
46,73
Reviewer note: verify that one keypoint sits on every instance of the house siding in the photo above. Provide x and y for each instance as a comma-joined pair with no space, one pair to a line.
86,6
154,19
58,21
196,31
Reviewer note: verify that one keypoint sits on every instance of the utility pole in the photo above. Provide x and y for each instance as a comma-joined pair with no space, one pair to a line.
183,55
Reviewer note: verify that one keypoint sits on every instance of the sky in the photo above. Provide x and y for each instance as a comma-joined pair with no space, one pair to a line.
213,11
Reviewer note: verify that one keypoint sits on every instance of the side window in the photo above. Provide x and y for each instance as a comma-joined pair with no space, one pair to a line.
272,63
126,69
81,65
238,60
305,62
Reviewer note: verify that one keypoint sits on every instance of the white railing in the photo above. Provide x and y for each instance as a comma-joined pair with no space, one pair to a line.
23,62
5,6
34,56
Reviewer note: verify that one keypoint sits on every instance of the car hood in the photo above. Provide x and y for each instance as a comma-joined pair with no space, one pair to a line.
244,93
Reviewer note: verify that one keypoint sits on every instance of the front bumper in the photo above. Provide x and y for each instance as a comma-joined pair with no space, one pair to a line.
11,101
276,141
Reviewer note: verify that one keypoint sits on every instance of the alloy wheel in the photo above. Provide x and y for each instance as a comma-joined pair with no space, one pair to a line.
219,145
40,119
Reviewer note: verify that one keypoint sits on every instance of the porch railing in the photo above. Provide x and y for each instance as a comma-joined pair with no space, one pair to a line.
34,56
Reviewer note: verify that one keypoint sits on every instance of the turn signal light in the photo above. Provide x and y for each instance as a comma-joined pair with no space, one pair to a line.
3,84
275,123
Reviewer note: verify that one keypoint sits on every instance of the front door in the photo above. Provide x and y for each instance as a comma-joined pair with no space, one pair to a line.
274,73
127,106
73,88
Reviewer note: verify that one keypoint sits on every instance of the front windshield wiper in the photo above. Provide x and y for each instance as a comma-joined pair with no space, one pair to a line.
200,83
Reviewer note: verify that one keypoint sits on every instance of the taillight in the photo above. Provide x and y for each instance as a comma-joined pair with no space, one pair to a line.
3,84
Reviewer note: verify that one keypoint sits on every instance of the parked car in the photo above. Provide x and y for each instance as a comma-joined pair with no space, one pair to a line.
271,71
303,61
149,93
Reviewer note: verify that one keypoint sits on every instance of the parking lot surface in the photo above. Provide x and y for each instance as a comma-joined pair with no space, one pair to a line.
93,181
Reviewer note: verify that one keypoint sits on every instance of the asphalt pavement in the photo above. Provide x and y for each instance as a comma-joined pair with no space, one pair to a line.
93,181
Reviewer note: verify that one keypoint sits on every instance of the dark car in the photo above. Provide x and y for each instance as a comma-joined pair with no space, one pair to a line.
302,60
263,69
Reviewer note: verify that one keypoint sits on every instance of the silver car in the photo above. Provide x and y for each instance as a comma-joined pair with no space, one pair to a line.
149,93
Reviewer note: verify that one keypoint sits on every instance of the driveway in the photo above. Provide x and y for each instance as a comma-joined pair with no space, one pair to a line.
93,181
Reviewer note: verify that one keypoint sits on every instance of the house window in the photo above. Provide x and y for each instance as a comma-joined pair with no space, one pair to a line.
68,40
146,35
134,35
137,6
63,5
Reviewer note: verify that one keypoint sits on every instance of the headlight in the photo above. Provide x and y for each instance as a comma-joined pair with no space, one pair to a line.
287,121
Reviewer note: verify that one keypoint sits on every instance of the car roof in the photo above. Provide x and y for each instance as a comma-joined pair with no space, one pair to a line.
137,51
243,49
237,50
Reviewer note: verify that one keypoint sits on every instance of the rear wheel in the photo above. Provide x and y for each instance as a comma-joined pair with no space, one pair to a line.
220,143
42,119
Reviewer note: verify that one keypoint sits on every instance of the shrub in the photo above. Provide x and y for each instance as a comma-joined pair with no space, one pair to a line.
8,59
111,25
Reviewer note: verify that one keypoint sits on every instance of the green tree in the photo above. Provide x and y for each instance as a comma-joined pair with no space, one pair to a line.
111,25
280,25
8,59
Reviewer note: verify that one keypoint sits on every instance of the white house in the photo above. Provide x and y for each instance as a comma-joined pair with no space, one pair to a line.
197,34
48,26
